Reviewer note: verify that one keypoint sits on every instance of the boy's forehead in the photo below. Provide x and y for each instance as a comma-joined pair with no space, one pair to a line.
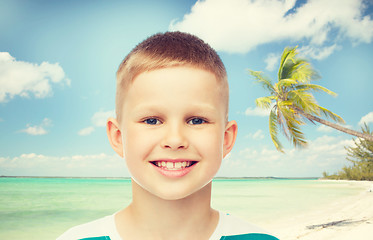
175,77
181,79
160,73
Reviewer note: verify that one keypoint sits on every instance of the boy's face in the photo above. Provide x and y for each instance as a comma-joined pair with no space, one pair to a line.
174,130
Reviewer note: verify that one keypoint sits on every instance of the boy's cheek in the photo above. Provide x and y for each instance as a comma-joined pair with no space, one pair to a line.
138,143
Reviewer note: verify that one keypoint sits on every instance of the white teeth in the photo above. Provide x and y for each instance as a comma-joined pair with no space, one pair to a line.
173,165
170,165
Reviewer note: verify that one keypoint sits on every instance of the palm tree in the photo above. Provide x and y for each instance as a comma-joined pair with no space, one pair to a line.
291,104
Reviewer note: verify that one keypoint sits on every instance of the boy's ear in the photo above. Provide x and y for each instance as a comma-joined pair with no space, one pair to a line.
115,135
230,135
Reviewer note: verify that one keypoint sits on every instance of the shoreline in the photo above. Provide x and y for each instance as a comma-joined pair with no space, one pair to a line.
348,218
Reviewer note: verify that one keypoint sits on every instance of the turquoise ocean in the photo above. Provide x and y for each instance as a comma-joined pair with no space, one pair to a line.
43,208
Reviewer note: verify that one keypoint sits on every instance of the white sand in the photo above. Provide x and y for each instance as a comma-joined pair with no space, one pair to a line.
350,218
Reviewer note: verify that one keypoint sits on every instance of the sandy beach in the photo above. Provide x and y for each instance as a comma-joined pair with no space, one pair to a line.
350,218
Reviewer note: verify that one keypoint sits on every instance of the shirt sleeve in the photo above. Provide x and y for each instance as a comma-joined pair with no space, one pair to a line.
233,228
100,229
249,236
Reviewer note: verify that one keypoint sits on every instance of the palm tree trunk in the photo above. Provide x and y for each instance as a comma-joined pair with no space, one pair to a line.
335,126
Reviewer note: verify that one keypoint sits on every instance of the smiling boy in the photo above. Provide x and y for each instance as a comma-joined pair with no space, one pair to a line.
173,131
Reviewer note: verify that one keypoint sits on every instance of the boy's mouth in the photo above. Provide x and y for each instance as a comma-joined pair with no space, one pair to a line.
173,165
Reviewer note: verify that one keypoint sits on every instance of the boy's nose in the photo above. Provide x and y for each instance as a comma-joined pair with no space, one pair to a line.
175,138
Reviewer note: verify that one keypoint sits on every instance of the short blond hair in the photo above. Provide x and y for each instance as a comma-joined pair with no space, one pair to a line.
170,49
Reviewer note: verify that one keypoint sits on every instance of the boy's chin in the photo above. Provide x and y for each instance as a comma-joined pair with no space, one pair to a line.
174,193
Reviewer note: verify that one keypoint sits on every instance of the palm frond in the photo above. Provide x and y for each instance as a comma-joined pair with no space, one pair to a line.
287,56
286,82
291,125
288,113
292,122
331,115
285,103
302,71
273,130
264,81
283,86
296,135
303,100
280,118
316,88
295,68
284,115
264,102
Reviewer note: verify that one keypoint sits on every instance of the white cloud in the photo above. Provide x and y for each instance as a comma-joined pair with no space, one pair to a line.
239,26
98,120
257,135
317,52
38,129
96,165
325,153
325,129
257,112
25,79
366,119
86,131
272,60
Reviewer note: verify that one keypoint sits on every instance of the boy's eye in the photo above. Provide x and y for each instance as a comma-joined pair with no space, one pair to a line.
152,121
196,121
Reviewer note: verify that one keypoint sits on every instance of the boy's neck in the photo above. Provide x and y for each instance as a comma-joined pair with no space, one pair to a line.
150,217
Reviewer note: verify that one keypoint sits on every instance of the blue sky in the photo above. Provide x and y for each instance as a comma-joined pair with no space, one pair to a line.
57,77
